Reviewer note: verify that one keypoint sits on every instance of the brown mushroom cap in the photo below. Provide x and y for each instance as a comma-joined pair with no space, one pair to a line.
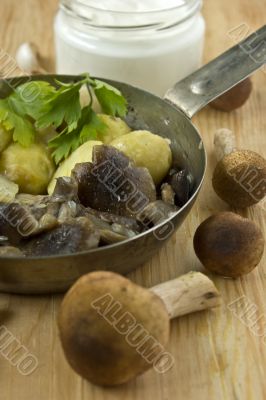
240,177
229,244
92,343
233,98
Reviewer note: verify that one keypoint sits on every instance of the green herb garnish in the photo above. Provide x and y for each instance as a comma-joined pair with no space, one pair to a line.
38,105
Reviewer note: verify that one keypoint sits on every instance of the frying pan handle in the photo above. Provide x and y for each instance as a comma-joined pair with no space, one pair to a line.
204,85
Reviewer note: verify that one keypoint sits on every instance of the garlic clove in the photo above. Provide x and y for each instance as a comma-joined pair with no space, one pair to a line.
28,58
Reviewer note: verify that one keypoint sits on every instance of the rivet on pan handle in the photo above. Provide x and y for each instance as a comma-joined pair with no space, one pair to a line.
204,85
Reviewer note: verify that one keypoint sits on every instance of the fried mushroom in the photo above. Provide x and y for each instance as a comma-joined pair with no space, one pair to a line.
112,183
75,235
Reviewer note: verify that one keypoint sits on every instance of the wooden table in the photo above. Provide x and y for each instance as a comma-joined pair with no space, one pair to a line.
219,355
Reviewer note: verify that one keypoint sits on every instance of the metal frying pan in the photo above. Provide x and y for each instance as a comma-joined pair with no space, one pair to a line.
170,118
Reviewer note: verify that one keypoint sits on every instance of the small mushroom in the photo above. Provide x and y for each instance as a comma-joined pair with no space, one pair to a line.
228,244
112,330
240,176
233,98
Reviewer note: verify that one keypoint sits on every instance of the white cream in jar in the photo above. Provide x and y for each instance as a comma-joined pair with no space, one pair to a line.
147,43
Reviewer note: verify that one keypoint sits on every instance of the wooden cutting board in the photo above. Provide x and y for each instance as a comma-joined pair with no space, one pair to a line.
219,355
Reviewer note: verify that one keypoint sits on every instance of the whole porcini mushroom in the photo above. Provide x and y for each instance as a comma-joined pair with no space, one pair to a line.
233,98
228,244
113,330
240,175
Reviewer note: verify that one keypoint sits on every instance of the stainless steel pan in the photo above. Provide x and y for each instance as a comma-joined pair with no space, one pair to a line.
169,118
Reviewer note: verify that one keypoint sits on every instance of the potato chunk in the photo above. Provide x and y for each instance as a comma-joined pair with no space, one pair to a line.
146,150
115,127
30,167
80,155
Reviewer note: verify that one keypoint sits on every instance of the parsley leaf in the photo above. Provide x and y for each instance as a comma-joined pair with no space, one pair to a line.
49,106
31,98
87,128
63,106
64,145
110,99
91,129
23,130
39,105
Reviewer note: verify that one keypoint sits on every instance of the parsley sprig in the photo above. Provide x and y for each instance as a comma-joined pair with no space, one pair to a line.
39,105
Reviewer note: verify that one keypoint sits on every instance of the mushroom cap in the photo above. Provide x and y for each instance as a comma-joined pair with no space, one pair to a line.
228,244
233,98
99,347
240,178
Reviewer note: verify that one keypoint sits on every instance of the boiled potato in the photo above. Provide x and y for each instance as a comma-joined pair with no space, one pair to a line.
30,167
147,150
115,127
5,138
80,155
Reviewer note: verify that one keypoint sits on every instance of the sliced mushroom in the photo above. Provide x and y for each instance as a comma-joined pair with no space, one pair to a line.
168,194
8,190
66,188
39,205
110,233
3,240
46,223
113,183
70,237
155,213
122,230
180,183
16,222
108,236
129,223
67,211
19,222
32,200
10,251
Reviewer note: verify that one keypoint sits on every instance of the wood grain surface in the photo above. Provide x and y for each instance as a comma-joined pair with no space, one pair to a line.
219,355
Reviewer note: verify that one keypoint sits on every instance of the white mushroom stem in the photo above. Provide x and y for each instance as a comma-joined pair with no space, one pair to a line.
224,143
28,59
187,294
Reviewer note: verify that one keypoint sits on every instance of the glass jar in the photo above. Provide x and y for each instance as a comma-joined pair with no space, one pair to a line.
151,44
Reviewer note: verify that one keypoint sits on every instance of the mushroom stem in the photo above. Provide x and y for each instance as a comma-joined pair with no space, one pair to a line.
224,143
187,294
